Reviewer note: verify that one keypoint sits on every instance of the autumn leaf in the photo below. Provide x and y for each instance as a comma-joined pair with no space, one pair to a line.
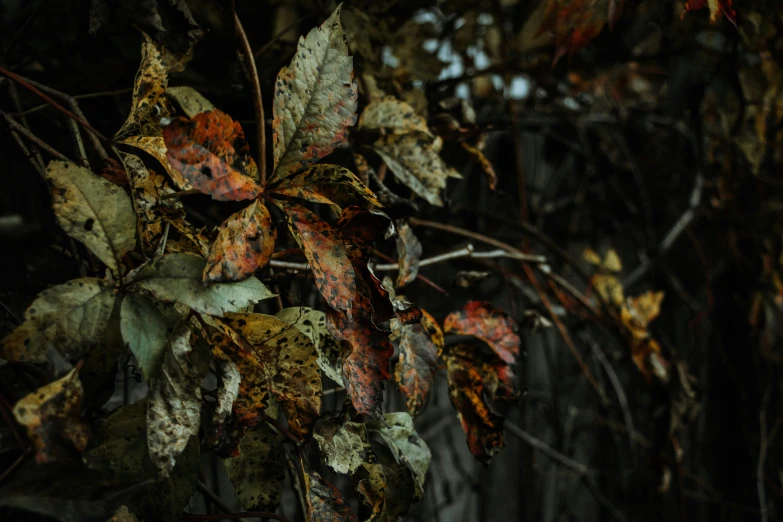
174,408
636,315
342,444
315,99
325,503
72,317
155,146
312,323
486,166
93,211
229,379
144,331
211,153
490,325
418,363
409,252
258,473
189,100
328,184
371,485
573,23
392,115
176,278
716,8
245,243
604,281
53,419
408,448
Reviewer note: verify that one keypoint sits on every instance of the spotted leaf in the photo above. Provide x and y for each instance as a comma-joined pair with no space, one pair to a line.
312,323
418,362
155,146
329,184
392,115
492,326
258,472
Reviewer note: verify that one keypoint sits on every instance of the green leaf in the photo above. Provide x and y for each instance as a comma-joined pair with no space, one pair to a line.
93,211
258,473
407,447
312,323
177,278
72,317
315,99
342,444
144,331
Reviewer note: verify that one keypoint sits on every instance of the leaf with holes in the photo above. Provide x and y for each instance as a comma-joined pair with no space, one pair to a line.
315,99
490,325
258,472
325,503
245,243
176,278
93,211
312,323
328,184
211,153
52,416
418,363
392,115
144,331
342,444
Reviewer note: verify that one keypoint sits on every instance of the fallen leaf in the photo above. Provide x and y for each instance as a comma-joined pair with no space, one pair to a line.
93,211
392,115
189,100
53,419
408,448
155,146
328,184
258,473
315,99
245,243
418,363
211,153
490,325
325,503
341,443
409,252
174,408
176,278
72,317
144,332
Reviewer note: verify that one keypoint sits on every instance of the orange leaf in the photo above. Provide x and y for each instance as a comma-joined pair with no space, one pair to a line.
418,363
491,326
244,244
211,153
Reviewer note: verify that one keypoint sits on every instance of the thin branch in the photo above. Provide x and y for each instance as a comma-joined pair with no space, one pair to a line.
87,96
17,127
467,251
282,33
216,500
553,454
250,65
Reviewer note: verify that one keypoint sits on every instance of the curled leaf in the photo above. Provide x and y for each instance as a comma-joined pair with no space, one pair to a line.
328,184
228,390
418,363
155,146
409,252
189,100
258,472
342,444
408,448
492,326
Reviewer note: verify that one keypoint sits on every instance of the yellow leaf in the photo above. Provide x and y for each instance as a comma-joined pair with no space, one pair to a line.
612,261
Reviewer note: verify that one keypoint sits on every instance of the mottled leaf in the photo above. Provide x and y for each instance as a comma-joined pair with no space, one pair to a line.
71,317
409,252
325,503
93,211
155,146
258,472
341,443
174,408
407,447
328,184
189,100
144,331
245,243
492,326
315,99
228,389
392,115
210,152
312,323
53,420
177,278
418,363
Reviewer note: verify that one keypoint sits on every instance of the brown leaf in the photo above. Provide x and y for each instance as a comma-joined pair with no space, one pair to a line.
155,146
492,326
325,503
418,362
210,152
409,252
244,244
329,184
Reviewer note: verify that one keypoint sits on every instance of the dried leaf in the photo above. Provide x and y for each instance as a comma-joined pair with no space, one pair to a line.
372,486
716,8
342,444
155,146
93,211
392,115
490,325
315,99
329,184
174,408
176,278
189,100
210,152
228,389
484,163
407,447
325,503
245,243
312,323
53,419
640,311
258,472
409,252
144,331
418,363
73,317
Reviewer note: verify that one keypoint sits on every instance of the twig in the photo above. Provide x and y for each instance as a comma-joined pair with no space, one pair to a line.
32,137
541,446
87,96
420,277
333,390
250,65
12,467
77,138
282,429
14,92
296,482
31,156
204,490
467,251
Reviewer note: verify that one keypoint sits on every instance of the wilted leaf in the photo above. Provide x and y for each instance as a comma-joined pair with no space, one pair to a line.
258,473
407,447
341,443
312,323
176,278
329,184
174,409
144,331
189,100
415,162
492,326
409,252
155,146
392,115
93,211
53,419
228,390
325,503
418,363
372,485
71,317
315,99
210,152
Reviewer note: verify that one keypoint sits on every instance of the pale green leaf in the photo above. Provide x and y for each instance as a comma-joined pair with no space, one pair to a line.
342,444
312,323
407,447
144,331
228,390
258,473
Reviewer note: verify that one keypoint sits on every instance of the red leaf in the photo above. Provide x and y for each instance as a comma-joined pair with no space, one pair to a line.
211,153
492,326
418,363
325,503
244,244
